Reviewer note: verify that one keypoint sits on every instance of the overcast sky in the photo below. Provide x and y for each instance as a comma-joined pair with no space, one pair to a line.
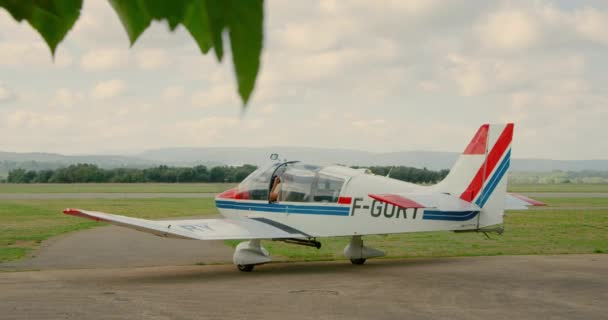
370,75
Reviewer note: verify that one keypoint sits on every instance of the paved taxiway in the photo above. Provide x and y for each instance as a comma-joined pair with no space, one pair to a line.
518,287
94,274
116,247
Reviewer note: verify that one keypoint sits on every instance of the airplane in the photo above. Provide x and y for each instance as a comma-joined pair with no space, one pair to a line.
308,202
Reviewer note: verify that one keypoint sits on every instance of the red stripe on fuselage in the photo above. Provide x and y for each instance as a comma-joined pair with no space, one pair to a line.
479,141
345,200
489,164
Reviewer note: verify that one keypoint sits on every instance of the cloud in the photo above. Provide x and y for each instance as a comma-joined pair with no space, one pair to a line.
67,98
36,121
24,53
592,24
359,74
508,29
151,59
172,93
103,59
109,89
216,96
6,95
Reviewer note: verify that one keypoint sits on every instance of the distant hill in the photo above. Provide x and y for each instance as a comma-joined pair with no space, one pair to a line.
237,156
40,161
429,159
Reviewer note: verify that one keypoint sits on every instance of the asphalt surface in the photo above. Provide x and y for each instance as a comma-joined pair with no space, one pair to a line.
113,247
116,273
518,287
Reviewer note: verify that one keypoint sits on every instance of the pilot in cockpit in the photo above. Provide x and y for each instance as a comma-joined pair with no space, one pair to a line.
275,191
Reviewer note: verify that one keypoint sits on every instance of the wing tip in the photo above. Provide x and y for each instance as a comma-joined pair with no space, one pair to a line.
79,213
71,212
532,202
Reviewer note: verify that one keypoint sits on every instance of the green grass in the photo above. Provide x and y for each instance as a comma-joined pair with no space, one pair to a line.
575,202
563,187
527,232
114,187
24,224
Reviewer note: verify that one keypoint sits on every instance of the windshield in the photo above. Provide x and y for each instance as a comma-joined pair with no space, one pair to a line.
299,183
256,185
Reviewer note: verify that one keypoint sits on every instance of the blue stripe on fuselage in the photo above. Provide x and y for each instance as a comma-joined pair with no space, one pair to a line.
449,215
284,208
333,210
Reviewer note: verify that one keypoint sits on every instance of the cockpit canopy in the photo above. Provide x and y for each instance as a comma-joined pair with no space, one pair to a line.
299,183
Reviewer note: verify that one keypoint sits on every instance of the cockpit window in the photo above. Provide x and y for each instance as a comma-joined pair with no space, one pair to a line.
255,186
299,183
305,183
296,182
327,188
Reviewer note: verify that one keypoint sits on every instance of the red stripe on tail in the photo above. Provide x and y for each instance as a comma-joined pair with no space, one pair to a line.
489,164
479,141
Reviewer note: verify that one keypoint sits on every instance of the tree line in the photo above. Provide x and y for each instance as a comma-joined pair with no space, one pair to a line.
90,173
87,173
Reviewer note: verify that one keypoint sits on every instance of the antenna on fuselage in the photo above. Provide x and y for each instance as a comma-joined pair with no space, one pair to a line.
388,175
275,157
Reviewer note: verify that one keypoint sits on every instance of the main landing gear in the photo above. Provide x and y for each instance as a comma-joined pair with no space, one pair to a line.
250,253
358,253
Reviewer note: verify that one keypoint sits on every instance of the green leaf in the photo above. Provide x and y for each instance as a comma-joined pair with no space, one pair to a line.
133,15
217,22
51,18
245,23
173,11
196,20
206,21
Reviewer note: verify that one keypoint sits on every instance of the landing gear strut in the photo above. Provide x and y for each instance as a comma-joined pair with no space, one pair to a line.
248,254
358,253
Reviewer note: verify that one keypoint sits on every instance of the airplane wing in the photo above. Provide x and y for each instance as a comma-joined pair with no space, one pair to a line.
514,201
198,229
440,201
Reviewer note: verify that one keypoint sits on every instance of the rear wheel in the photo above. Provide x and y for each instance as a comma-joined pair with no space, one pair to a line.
245,267
357,261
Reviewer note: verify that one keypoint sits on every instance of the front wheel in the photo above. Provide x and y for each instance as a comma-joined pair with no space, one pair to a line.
245,267
357,261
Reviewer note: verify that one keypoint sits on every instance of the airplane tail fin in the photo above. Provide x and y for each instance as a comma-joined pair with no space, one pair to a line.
480,173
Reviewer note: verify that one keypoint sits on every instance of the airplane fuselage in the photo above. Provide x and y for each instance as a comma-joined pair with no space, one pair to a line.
351,211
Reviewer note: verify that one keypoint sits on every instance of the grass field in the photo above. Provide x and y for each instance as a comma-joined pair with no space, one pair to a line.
115,187
24,224
564,187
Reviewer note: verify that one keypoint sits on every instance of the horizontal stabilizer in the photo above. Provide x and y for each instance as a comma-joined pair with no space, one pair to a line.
435,200
514,201
198,229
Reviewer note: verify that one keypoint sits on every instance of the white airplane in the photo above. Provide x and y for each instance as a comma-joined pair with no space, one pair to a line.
312,202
